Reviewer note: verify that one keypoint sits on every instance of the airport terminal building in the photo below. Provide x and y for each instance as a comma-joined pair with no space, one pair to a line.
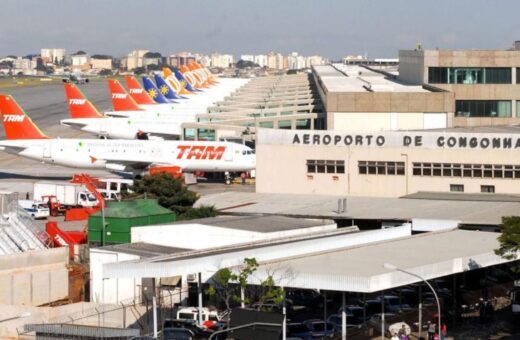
388,163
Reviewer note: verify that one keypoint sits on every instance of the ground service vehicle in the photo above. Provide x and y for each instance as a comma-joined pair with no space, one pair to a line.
36,209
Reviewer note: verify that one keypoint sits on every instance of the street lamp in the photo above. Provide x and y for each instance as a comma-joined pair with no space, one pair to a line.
391,266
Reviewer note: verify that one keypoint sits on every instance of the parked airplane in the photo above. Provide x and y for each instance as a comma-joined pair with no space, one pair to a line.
122,101
26,140
85,117
155,93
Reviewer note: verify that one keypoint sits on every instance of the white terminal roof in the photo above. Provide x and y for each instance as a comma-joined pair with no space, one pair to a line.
354,78
344,260
360,269
468,209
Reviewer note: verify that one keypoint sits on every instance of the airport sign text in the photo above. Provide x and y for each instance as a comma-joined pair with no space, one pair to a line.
409,140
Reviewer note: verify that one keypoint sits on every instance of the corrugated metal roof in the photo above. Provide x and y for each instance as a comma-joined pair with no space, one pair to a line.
134,208
141,249
81,330
472,212
259,223
360,269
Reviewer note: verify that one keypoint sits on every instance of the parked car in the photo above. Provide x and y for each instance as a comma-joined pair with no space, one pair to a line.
376,320
188,324
320,329
305,297
177,334
298,330
335,319
393,304
355,314
371,307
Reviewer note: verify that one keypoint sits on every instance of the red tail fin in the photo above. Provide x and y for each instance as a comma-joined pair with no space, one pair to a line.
136,91
17,124
121,101
79,105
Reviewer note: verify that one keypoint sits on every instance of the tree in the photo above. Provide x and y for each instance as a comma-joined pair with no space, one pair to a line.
105,72
510,240
101,56
139,70
80,52
172,194
245,64
231,286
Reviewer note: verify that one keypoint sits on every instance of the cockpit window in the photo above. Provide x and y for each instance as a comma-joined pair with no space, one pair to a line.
248,152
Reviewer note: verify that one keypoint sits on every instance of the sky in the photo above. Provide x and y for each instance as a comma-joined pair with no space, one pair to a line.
331,28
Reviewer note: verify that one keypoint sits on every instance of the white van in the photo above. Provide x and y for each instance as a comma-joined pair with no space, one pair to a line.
36,209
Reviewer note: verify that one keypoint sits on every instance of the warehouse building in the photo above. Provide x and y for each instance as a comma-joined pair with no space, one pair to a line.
389,163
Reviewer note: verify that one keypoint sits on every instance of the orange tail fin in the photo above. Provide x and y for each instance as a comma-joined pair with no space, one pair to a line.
79,105
137,92
121,101
17,124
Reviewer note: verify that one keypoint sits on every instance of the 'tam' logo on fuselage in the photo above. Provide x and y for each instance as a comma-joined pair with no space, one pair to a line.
200,152
77,101
14,118
136,91
119,95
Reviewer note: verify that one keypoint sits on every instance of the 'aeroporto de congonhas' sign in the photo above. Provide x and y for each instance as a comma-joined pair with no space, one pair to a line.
405,139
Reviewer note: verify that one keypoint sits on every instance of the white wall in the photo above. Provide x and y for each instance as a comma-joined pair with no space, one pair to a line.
200,236
111,290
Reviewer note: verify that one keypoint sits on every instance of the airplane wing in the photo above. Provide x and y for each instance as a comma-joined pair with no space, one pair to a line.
120,164
13,149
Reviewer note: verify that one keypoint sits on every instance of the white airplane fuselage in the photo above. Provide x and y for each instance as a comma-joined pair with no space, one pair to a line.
125,155
130,128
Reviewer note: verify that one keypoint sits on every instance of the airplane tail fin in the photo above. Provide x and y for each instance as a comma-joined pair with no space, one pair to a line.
137,92
153,91
79,105
184,82
17,124
165,89
121,101
174,82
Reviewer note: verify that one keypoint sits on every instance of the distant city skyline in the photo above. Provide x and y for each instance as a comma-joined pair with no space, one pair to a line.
332,28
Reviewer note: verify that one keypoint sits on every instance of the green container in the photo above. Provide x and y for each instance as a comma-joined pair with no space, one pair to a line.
120,217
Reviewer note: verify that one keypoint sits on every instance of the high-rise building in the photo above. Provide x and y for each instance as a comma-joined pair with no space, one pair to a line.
52,55
247,57
221,60
135,59
260,60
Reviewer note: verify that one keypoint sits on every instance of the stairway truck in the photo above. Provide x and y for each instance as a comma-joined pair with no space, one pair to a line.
68,195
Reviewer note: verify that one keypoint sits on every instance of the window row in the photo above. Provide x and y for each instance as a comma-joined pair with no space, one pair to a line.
381,168
470,75
483,108
466,170
325,166
483,188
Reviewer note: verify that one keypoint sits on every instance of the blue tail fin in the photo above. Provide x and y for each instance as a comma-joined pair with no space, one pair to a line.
165,89
183,81
154,92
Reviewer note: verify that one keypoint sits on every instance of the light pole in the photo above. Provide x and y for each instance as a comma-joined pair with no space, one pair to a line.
391,266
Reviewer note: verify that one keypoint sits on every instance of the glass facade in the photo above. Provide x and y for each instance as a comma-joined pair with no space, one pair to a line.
470,75
483,108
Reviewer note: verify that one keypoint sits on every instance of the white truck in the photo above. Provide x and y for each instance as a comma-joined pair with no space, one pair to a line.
68,195
36,209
